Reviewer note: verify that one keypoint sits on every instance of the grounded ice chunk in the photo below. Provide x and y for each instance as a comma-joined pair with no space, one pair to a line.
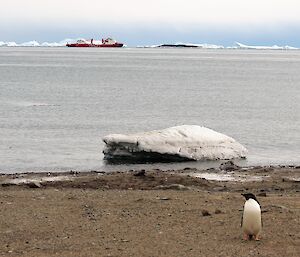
186,142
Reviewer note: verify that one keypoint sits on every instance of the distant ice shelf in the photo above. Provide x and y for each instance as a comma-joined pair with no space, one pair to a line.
35,43
236,45
180,143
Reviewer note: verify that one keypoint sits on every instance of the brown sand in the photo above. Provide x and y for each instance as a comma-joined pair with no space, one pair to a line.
122,214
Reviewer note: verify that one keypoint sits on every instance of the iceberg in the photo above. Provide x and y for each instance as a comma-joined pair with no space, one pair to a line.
275,47
54,44
32,43
9,44
180,143
35,43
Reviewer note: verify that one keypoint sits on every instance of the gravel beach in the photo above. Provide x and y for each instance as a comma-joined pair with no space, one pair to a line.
148,213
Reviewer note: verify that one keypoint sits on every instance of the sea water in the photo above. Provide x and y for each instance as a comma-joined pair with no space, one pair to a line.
57,103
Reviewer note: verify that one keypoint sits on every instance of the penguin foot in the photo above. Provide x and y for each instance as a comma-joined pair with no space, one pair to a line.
257,238
246,237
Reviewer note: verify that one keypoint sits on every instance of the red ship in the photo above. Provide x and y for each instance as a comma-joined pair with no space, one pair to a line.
109,42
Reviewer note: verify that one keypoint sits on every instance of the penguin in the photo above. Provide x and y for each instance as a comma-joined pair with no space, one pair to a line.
251,219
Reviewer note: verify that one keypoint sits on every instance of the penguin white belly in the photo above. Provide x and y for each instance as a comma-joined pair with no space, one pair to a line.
251,218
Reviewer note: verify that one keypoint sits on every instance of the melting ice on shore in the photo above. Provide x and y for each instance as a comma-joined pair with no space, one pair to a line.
181,143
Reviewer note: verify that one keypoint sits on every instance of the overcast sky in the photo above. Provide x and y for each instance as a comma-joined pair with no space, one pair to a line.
153,21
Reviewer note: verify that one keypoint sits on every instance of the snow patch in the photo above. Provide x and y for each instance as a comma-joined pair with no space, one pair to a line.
20,181
32,104
226,177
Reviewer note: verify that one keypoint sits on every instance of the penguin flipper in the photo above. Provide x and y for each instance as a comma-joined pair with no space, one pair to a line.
242,218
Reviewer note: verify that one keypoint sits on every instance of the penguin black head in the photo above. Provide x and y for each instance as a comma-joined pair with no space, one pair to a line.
250,196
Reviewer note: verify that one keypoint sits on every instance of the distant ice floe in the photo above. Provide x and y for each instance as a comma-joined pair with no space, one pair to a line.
39,104
180,143
31,104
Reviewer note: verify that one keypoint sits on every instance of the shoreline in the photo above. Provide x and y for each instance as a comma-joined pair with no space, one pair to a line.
151,166
228,177
227,166
147,213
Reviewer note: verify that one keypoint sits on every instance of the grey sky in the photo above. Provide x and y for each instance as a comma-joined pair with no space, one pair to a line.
21,19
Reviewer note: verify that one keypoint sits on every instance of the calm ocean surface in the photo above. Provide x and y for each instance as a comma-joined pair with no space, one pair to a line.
57,103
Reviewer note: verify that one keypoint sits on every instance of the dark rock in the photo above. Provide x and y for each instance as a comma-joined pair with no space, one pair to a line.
164,198
265,190
34,184
98,171
140,173
210,169
7,184
205,213
264,194
217,211
229,166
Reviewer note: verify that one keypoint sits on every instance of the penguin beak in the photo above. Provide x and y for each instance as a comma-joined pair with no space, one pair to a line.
244,195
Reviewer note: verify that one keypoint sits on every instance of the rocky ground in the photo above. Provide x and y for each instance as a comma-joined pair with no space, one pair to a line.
148,213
